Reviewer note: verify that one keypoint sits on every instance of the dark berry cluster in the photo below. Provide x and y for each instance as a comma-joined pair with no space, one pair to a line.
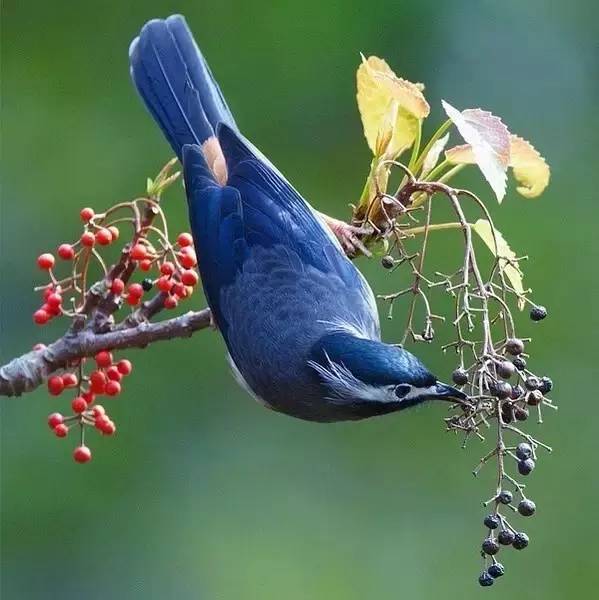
503,389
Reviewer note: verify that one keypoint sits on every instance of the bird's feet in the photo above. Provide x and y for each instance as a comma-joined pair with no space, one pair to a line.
349,236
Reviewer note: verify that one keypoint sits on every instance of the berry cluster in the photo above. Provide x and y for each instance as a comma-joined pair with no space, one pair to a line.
105,379
505,390
175,278
166,267
492,369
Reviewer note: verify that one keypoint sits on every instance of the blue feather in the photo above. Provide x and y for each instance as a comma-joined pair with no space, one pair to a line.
175,83
372,361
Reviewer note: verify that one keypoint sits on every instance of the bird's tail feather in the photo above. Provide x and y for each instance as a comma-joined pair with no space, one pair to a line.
177,85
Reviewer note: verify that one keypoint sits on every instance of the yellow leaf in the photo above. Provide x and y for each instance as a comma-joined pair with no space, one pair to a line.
507,257
388,103
529,167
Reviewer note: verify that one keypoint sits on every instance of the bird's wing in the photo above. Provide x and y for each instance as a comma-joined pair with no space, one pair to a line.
259,210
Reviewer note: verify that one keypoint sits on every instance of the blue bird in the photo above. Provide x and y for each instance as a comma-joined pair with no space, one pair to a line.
299,320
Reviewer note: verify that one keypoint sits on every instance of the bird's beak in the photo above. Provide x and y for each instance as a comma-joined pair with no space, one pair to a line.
449,393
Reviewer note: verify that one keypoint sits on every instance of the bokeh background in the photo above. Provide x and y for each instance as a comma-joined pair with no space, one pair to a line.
203,493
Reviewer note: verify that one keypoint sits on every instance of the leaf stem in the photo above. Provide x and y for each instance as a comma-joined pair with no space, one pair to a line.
437,135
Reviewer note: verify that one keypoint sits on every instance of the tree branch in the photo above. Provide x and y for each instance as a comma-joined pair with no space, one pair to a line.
27,372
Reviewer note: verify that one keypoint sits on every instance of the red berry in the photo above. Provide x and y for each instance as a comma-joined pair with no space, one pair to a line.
145,264
55,419
97,381
69,380
117,286
113,373
53,311
86,214
136,290
98,410
133,300
41,316
138,252
55,385
187,257
89,397
54,300
107,427
179,290
185,239
164,283
88,239
103,358
114,230
45,261
170,302
103,237
82,454
79,405
167,268
61,430
113,388
66,251
99,420
189,277
124,366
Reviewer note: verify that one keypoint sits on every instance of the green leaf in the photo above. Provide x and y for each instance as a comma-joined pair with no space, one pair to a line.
432,156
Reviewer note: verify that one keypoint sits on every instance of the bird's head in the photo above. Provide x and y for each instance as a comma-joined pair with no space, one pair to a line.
369,375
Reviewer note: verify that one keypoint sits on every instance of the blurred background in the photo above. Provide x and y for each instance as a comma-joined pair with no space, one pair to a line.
203,493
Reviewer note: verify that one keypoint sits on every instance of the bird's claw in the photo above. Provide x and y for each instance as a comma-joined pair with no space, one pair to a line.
349,236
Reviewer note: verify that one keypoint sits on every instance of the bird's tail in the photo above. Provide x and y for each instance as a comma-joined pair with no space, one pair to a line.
177,86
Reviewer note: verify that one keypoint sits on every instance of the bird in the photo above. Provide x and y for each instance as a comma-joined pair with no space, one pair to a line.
299,320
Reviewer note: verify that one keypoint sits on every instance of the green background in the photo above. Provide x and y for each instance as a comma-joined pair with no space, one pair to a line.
203,493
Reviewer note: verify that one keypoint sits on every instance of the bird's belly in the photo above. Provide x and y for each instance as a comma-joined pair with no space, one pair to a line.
274,313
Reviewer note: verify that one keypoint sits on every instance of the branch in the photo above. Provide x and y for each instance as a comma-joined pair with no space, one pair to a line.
27,372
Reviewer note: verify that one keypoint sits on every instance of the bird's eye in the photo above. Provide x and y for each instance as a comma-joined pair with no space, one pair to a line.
402,390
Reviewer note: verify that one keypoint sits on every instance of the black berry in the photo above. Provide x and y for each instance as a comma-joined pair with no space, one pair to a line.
534,398
521,414
491,521
527,508
459,376
546,385
526,466
507,412
505,369
523,451
514,346
506,537
501,389
147,285
520,541
490,546
504,497
532,383
485,579
496,570
538,313
519,363
517,391
387,262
